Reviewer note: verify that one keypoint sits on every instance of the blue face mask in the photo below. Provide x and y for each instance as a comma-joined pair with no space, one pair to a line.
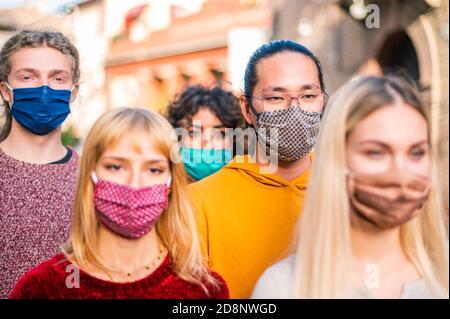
40,110
200,163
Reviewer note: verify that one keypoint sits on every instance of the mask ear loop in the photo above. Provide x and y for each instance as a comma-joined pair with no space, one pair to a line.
348,173
94,177
12,91
169,182
251,107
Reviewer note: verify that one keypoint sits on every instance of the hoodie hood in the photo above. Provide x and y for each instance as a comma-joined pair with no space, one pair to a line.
247,167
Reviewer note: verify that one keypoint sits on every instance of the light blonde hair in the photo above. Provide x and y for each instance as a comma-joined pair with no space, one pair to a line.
323,262
176,228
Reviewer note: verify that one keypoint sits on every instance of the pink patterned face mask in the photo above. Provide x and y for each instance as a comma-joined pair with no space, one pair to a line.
129,212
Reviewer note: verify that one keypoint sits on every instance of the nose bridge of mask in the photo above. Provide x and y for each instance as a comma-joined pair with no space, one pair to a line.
46,89
397,185
401,178
95,179
414,185
45,86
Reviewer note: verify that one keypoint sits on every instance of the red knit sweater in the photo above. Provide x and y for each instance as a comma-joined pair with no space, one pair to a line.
48,281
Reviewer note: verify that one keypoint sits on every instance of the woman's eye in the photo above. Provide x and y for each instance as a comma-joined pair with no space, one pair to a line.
418,153
194,133
113,167
155,170
218,134
374,153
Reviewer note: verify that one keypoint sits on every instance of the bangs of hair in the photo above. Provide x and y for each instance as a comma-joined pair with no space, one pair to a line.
134,126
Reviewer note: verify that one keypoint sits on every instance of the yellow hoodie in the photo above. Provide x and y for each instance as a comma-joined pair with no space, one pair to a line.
246,221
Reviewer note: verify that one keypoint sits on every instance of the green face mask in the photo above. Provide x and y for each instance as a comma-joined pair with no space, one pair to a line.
200,163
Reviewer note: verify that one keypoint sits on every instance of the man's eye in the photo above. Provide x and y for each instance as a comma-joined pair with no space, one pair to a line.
309,96
274,98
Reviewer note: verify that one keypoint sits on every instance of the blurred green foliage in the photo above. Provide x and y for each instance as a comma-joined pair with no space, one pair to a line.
69,138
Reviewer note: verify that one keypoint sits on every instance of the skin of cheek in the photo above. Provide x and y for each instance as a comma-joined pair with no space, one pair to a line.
211,136
212,141
135,170
397,156
123,176
358,163
104,173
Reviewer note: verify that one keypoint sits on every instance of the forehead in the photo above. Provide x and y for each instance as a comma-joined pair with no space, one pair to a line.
290,70
40,58
135,144
397,123
206,118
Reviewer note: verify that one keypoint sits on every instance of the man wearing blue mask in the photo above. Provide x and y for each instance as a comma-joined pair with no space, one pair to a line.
39,74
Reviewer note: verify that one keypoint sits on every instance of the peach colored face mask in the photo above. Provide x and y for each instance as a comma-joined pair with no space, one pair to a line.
388,200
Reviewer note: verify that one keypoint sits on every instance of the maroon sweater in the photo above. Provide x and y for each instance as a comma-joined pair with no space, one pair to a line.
49,281
35,208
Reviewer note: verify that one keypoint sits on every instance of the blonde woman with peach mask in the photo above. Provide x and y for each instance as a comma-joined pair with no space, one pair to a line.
373,225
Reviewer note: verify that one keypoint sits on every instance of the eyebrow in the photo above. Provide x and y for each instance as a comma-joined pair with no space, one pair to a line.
123,159
215,126
387,146
31,70
282,89
55,72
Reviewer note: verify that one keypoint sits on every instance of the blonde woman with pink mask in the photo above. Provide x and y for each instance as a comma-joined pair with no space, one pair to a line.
133,234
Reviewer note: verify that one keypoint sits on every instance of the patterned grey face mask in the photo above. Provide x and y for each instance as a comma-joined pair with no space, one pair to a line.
288,134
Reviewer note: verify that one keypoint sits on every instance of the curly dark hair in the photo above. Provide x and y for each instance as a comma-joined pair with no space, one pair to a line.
224,104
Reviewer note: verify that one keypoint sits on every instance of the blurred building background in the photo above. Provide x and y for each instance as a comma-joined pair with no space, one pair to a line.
411,37
142,52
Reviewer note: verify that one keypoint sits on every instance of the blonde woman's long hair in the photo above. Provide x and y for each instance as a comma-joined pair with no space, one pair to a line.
323,262
176,228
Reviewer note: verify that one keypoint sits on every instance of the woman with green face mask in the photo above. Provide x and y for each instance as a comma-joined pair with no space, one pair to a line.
206,114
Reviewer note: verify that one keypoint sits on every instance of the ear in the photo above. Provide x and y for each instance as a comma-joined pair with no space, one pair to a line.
245,109
6,94
74,95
